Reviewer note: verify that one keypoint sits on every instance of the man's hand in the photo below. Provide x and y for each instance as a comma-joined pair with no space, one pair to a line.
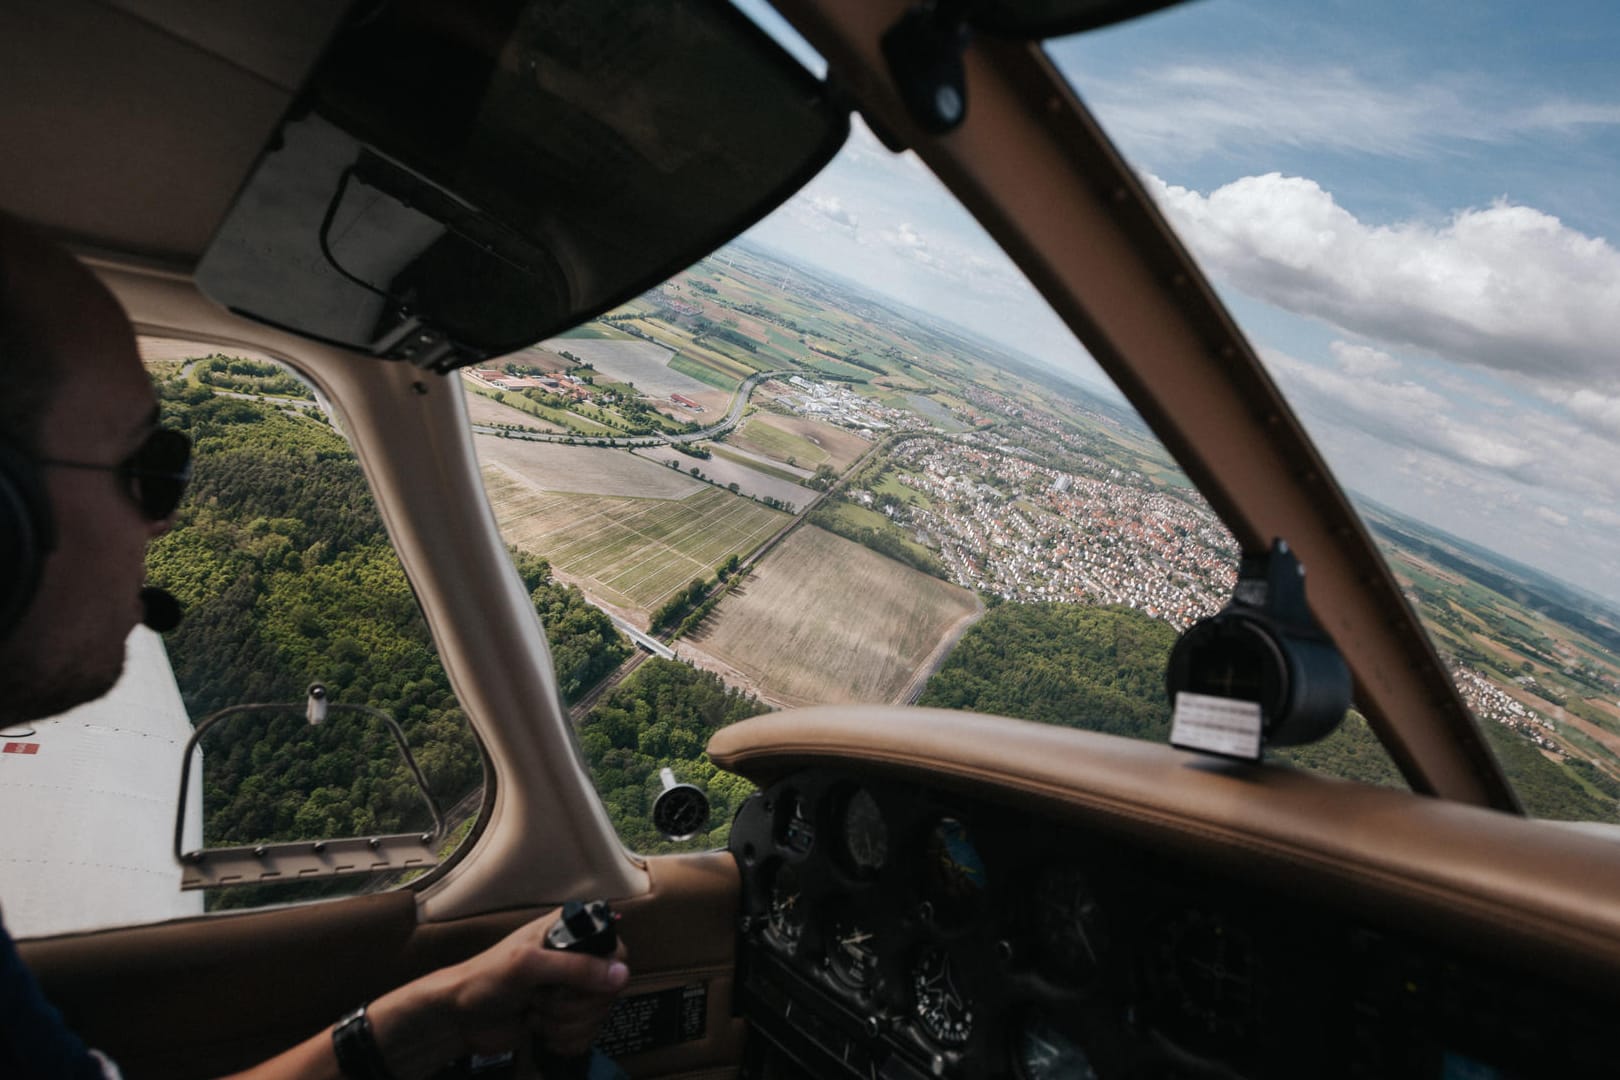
496,1000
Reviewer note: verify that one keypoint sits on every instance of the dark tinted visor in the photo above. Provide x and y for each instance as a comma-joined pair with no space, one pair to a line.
461,180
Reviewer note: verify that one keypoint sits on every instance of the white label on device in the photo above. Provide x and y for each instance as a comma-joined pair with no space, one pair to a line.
1216,725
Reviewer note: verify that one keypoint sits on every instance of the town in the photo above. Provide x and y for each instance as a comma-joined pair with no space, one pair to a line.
1023,531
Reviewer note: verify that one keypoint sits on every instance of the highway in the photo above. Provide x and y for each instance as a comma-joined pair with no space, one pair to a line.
739,402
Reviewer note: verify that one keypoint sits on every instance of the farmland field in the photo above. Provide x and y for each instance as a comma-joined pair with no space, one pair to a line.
632,553
808,442
840,445
641,362
586,470
707,353
825,620
760,437
722,470
482,409
707,375
592,331
791,473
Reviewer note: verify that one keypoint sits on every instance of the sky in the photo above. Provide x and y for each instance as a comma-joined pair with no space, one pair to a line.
1410,208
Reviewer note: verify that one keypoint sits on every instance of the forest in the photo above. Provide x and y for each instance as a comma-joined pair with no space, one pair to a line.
287,578
1102,668
662,716
1099,668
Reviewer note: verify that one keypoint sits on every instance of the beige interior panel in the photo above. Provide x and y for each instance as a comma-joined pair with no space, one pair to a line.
409,430
201,997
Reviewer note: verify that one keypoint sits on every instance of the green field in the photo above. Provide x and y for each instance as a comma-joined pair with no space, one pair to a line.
891,485
707,353
703,373
836,368
763,438
633,553
566,417
561,417
719,450
861,518
884,395
596,330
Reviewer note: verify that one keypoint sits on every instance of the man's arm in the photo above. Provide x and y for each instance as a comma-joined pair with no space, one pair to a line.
486,1005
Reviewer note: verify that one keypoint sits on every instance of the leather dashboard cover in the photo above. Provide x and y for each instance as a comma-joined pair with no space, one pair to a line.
1544,892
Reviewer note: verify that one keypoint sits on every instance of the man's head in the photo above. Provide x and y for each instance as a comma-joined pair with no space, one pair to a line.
74,390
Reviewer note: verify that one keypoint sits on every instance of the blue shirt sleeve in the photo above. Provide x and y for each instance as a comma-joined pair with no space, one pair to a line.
35,1042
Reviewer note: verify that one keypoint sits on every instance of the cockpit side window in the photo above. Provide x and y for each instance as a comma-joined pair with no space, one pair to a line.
286,578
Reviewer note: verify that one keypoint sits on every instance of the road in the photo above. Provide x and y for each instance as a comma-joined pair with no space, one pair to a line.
739,402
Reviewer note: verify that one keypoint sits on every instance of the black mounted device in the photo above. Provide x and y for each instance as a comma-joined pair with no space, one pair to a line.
1260,672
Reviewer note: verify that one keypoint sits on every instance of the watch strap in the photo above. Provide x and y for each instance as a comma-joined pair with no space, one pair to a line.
355,1047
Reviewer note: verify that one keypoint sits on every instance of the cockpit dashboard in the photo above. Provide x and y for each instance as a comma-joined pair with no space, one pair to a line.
899,925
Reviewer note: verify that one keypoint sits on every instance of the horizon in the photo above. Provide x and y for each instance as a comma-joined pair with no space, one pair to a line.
1366,506
1409,225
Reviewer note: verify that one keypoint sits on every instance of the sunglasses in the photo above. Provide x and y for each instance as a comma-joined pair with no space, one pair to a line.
154,476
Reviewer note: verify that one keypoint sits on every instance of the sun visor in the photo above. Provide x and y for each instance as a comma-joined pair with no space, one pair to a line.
459,181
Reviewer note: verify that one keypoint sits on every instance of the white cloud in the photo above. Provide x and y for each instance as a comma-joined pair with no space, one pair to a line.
1451,448
832,208
1602,516
1403,413
906,239
1182,112
1598,411
1189,110
1362,359
1569,115
1506,287
1548,514
1405,404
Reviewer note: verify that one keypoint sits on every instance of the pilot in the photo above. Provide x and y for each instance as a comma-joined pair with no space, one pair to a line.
76,409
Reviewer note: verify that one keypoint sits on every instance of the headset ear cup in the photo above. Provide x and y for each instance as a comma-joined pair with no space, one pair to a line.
26,534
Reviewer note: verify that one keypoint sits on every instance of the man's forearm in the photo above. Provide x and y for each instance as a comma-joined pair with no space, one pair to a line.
407,1025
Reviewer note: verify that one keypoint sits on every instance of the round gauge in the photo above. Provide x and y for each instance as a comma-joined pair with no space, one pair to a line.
943,1013
784,913
865,834
1045,1053
956,874
852,954
1067,923
1211,971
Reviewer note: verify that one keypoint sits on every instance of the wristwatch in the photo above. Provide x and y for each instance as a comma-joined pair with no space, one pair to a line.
358,1056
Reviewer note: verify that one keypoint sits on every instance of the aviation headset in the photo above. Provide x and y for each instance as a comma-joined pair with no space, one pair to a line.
26,533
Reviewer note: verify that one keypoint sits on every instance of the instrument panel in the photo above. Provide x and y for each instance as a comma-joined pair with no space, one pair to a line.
891,931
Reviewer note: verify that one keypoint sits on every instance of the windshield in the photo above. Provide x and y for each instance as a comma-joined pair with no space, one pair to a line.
850,458
1408,209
